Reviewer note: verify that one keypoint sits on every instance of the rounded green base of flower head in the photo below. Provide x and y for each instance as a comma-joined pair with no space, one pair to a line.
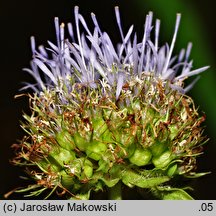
107,142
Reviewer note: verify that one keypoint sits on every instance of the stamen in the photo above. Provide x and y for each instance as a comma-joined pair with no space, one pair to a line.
157,30
178,18
56,21
76,13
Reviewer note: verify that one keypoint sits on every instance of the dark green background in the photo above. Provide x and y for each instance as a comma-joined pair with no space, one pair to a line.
21,19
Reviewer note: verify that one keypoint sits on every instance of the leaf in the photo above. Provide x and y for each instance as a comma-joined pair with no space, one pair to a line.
168,193
196,175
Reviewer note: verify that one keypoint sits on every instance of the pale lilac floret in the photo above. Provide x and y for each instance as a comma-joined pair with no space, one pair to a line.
90,58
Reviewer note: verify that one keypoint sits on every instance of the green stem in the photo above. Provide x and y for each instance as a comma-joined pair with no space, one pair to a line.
115,192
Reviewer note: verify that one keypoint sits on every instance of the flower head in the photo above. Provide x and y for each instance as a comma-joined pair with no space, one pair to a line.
103,115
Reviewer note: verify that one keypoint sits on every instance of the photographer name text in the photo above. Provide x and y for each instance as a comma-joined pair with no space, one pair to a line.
74,207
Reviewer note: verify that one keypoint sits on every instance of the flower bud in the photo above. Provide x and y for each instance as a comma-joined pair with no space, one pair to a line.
101,130
141,157
172,170
126,142
158,148
99,126
65,140
49,164
106,162
88,168
95,150
163,160
80,142
67,181
63,156
174,130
